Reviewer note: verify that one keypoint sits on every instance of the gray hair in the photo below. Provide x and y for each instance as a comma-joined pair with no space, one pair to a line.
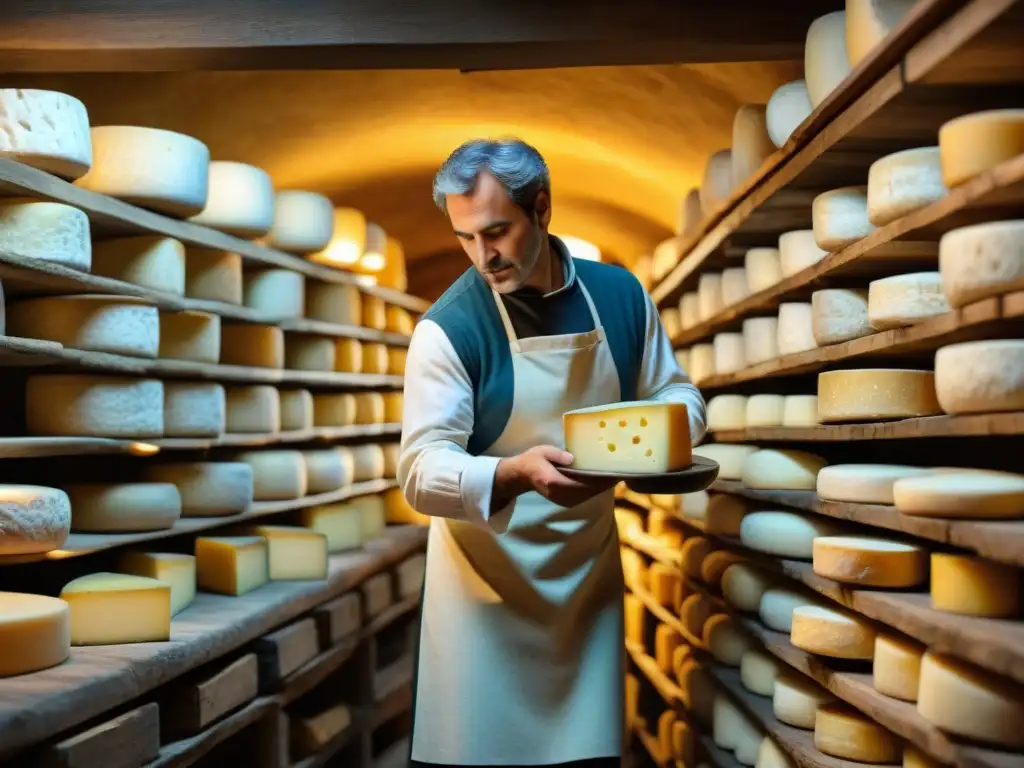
515,164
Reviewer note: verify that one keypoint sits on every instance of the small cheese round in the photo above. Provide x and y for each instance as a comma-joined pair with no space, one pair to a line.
796,700
896,668
843,732
213,275
123,507
869,22
715,564
278,292
340,303
694,506
692,554
798,251
966,493
744,585
255,346
149,261
796,328
52,232
787,108
840,217
902,300
826,63
192,336
765,410
240,200
45,129
278,475
970,702
787,534
763,268
863,483
982,260
874,394
751,143
161,170
369,408
781,470
368,462
729,457
252,409
729,353
33,519
94,406
670,320
980,376
800,411
727,722
207,488
760,339
838,315
871,562
735,287
35,633
694,612
375,312
303,352
724,514
689,310
394,403
727,412
770,755
334,409
303,222
972,144
777,605
194,409
709,295
821,630
690,213
716,185
973,586
702,362
758,672
901,183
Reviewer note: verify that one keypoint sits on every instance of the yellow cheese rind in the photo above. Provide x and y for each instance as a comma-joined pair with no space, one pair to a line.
874,394
868,561
634,612
843,732
295,553
666,585
149,261
973,586
33,519
35,633
641,437
787,470
972,144
725,514
896,667
963,493
914,758
257,346
694,613
980,376
982,260
116,608
692,555
902,300
830,633
796,700
176,570
785,534
231,565
123,507
726,640
715,564
666,640
192,336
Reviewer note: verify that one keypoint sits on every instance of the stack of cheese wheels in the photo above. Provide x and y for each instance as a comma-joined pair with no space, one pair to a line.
45,129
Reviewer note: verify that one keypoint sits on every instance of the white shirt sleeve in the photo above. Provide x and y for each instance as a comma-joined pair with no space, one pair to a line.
661,378
436,474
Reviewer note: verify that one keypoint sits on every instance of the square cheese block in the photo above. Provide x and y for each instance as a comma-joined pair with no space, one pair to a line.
295,553
177,570
118,608
232,565
342,524
640,437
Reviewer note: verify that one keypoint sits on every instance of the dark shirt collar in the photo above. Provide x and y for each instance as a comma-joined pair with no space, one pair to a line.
568,272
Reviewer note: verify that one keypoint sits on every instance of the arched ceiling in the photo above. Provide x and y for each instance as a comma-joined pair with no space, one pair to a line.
623,143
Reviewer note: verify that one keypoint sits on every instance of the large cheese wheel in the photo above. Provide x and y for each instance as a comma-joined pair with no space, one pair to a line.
192,336
278,475
727,412
149,167
735,286
843,732
751,143
840,218
121,326
980,376
835,634
786,534
258,346
763,268
869,22
826,63
838,315
368,462
777,606
240,200
277,292
207,489
901,183
213,275
94,406
796,700
334,409
966,493
124,507
795,332
744,585
975,587
800,411
194,409
798,251
46,130
296,409
689,310
872,562
709,294
758,672
303,221
863,483
149,261
252,409
702,362
33,519
52,232
782,470
970,702
901,300
35,633
729,353
896,667
730,458
875,393
765,410
982,260
716,186
760,339
788,107
972,144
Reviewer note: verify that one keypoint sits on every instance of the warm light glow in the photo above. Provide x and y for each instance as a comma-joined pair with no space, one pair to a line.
347,242
374,255
580,249
143,449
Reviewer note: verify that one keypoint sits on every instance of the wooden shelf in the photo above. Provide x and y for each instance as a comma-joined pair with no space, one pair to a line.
665,616
185,752
667,688
976,425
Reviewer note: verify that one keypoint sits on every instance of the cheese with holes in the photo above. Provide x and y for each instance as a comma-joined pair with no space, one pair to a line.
375,312
748,741
762,268
729,353
777,605
709,295
826,63
726,641
838,315
207,489
689,310
800,411
367,462
646,437
303,352
326,470
902,300
725,513
46,231
194,409
152,168
781,470
760,339
702,362
973,586
635,615
149,261
348,356
744,585
871,562
123,507
869,22
399,320
252,409
334,302
982,260
726,722
46,130
192,336
694,612
213,275
277,292
874,394
716,185
35,633
770,755
342,524
896,668
786,534
118,608
666,584
257,346
730,458
863,483
751,142
240,200
334,409
296,407
975,143
176,570
901,183
788,107
795,329
294,552
969,702
765,410
303,222
121,326
758,672
715,564
666,640
375,358
839,635
798,251
966,493
796,700
231,565
33,519
840,218
692,555
980,376
94,406
843,732
277,474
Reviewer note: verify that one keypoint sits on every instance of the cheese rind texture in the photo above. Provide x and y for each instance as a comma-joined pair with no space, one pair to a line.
786,534
896,667
800,411
787,108
123,507
207,489
149,261
751,143
303,222
257,346
280,293
972,144
231,565
863,483
826,62
94,406
35,633
278,475
716,186
840,218
838,315
980,376
964,493
795,332
982,260
760,339
868,561
796,700
192,336
213,275
902,300
176,570
253,409
33,519
843,732
118,608
763,268
729,457
93,323
876,394
972,586
831,633
46,130
765,410
52,232
724,514
744,585
799,251
901,183
335,409
642,437
869,22
194,409
730,354
240,200
758,672
781,470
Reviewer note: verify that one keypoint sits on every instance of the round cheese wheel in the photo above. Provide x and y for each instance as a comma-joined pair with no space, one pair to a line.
843,732
980,376
192,336
240,200
694,612
727,412
161,170
763,268
46,130
735,287
902,300
194,409
872,562
252,409
257,346
709,295
796,700
671,321
765,410
781,470
748,741
149,261
303,221
798,251
751,143
821,630
838,315
689,310
967,493
826,63
278,475
690,213
972,144
840,218
729,353
787,534
982,260
743,585
770,755
901,183
368,462
33,519
715,564
760,339
35,633
795,332
278,292
874,394
692,555
52,232
213,275
777,605
717,185
725,513
863,483
973,586
869,22
896,668
207,489
694,506
788,107
702,362
758,672
334,409
800,411
727,722
94,406
729,457
124,507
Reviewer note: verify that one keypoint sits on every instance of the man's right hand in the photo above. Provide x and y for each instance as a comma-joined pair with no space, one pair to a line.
537,470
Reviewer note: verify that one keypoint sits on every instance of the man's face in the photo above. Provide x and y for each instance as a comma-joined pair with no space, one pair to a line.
500,238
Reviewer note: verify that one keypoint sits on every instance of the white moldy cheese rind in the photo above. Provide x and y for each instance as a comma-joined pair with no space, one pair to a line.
735,286
118,608
303,222
967,493
729,352
124,507
207,488
240,200
796,700
277,475
689,310
798,251
787,108
980,376
826,63
776,607
33,519
94,406
258,346
52,232
149,261
782,470
35,633
863,483
796,328
838,315
972,586
843,732
765,410
726,722
194,409
875,393
982,260
45,129
177,570
120,326
800,411
871,562
869,22
968,702
192,336
744,585
751,143
278,292
896,667
367,462
709,295
831,633
758,672
702,362
213,275
901,183
629,437
840,218
760,339
252,409
716,185
727,412
161,170
763,268
786,534
902,300
296,406
729,457
972,144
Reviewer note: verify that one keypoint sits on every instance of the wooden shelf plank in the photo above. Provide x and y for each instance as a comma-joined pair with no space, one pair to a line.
665,616
97,679
37,447
317,434
975,425
179,754
669,691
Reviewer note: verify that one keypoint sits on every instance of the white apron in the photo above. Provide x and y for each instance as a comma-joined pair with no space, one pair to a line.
521,640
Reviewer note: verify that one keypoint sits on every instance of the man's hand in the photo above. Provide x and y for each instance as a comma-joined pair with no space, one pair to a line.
537,470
